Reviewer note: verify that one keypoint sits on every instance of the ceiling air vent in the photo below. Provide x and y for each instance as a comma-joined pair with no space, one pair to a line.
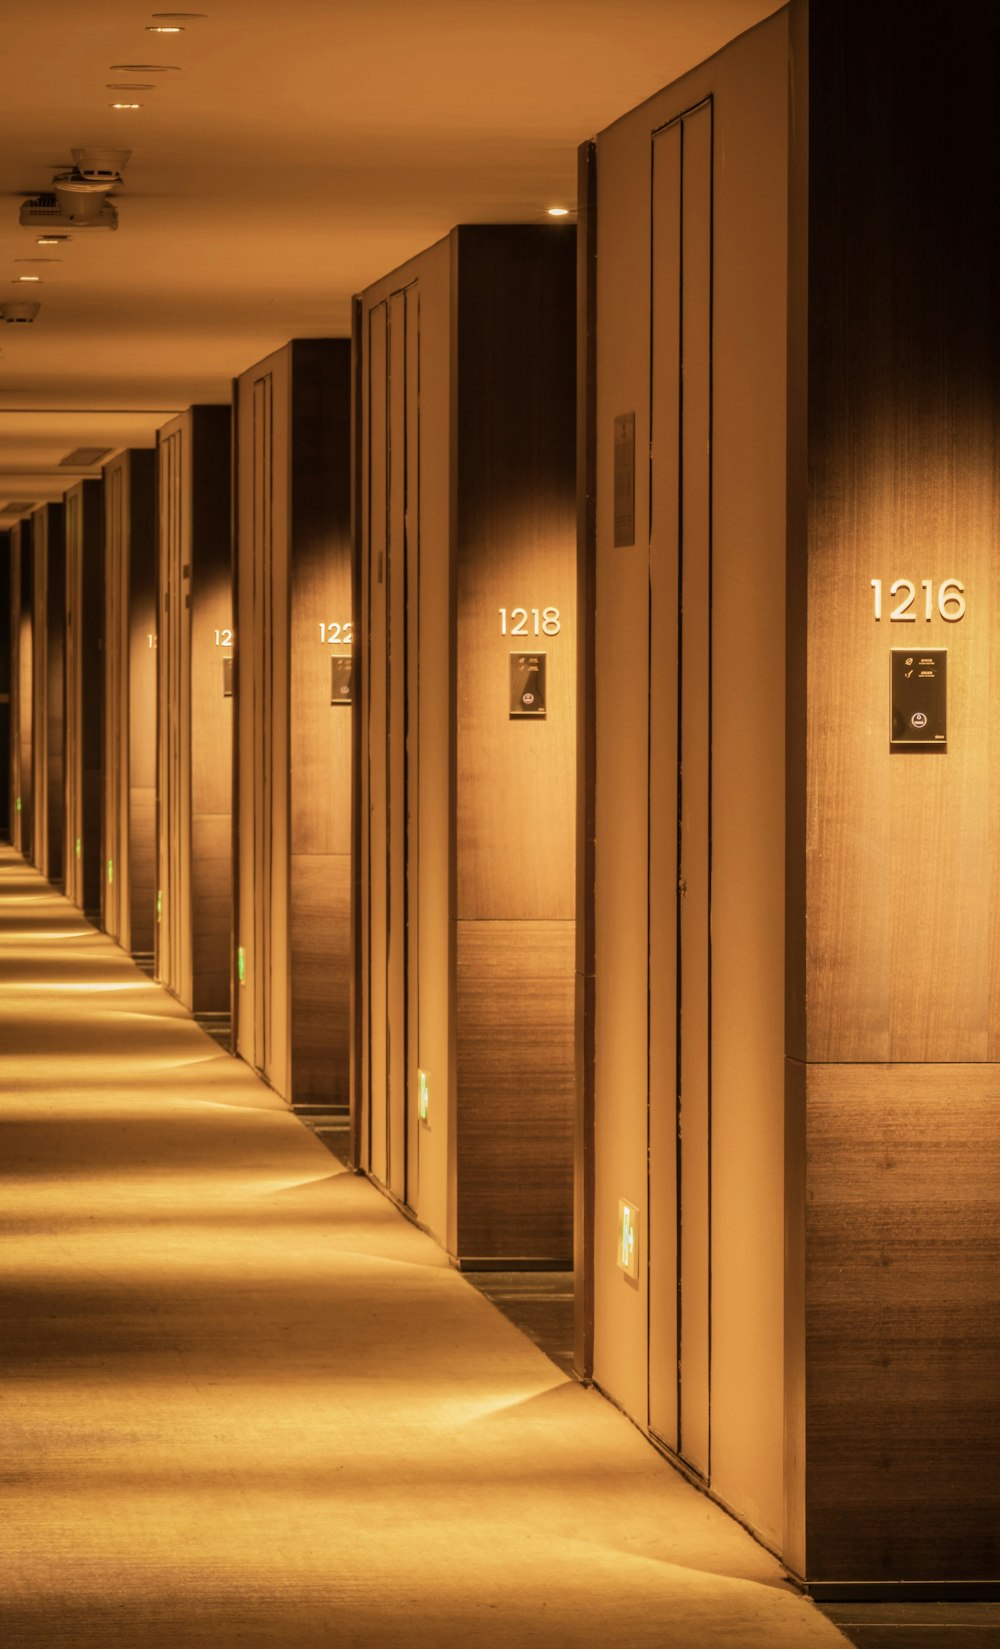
17,509
84,457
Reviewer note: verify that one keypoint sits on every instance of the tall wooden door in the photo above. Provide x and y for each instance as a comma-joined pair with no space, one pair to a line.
130,701
194,698
49,629
392,686
83,694
680,689
21,745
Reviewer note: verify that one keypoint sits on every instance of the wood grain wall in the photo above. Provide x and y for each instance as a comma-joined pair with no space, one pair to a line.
294,805
194,740
5,640
894,856
84,693
49,640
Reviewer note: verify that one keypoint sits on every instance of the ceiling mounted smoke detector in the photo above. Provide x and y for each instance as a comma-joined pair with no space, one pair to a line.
101,166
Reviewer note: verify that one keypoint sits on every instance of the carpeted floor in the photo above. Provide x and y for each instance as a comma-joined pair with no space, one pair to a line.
245,1403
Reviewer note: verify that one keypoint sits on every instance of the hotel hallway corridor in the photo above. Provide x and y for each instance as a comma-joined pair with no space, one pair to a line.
245,1402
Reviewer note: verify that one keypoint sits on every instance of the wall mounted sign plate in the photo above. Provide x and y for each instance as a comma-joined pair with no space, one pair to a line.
527,685
624,480
919,696
227,678
340,685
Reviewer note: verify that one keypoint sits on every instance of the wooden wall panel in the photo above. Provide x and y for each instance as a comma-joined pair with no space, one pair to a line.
514,1063
129,876
903,1322
21,748
84,687
49,640
469,508
194,740
895,977
294,584
5,641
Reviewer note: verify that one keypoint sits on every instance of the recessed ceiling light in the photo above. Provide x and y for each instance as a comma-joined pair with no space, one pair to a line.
144,68
558,211
18,278
179,16
130,86
52,240
124,105
164,28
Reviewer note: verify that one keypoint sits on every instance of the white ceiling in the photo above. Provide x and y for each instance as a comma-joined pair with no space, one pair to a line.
302,149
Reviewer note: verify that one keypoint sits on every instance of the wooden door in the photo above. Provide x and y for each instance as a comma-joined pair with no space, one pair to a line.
49,596
680,790
116,602
392,599
173,931
83,694
22,753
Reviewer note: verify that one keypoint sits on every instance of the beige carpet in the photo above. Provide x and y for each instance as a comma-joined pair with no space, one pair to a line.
244,1403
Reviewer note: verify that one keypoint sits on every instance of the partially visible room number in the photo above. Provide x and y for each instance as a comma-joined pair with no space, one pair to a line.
949,599
338,632
545,621
224,638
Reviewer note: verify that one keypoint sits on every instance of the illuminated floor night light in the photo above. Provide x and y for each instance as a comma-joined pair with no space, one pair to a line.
245,1403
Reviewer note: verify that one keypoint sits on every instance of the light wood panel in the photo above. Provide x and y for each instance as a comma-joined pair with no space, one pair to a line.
686,1017
294,761
49,640
21,747
194,739
129,879
84,689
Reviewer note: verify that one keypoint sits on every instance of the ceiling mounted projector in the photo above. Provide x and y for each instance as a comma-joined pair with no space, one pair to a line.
19,314
47,212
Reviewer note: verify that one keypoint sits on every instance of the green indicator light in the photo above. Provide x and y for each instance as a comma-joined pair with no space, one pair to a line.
79,847
423,1096
111,870
159,903
18,804
241,965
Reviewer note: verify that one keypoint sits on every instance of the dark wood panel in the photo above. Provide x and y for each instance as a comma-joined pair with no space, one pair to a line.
84,693
515,545
211,911
903,1322
22,757
514,1003
904,385
320,977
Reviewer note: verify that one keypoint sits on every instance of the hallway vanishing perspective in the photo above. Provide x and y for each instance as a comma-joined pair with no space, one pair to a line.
247,1403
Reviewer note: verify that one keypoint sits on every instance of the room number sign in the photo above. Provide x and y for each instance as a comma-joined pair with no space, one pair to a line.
947,598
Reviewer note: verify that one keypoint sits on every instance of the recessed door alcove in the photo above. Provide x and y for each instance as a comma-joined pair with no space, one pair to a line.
464,1094
49,635
84,690
194,696
294,649
129,813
